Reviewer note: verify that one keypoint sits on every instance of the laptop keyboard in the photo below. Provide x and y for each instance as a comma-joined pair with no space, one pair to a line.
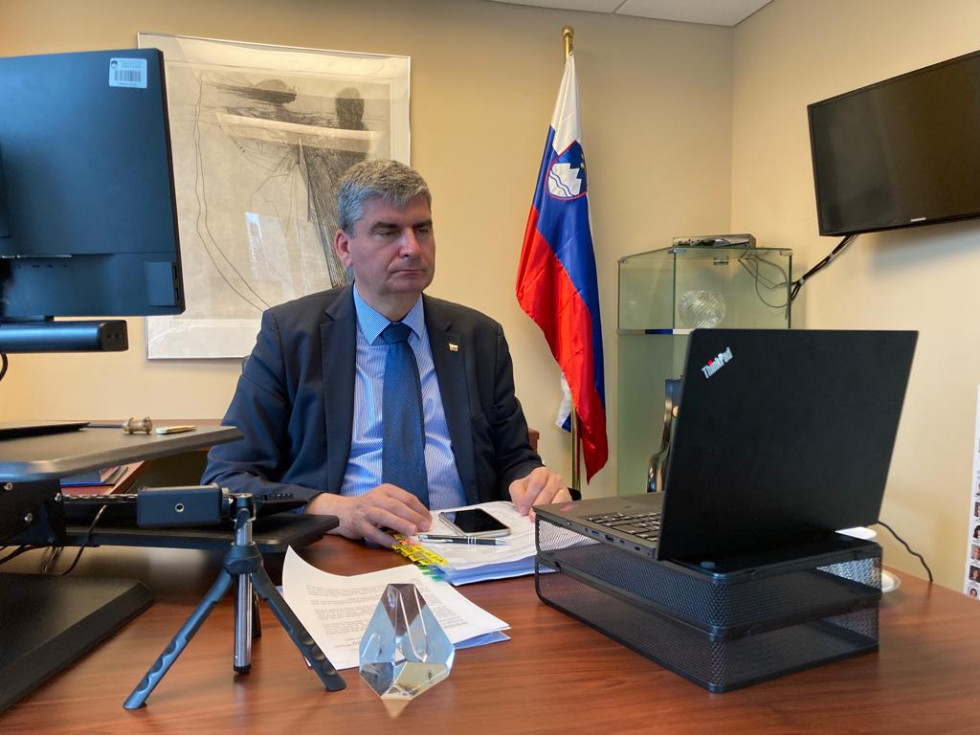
642,525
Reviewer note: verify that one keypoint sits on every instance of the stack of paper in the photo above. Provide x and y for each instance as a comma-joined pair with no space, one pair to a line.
468,563
335,610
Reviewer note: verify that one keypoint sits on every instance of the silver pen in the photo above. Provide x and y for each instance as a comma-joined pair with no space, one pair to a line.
461,540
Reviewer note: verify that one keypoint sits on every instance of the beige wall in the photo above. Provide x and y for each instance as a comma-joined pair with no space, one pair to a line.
688,129
656,108
795,52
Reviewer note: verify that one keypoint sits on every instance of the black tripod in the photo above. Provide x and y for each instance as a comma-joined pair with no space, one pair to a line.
244,563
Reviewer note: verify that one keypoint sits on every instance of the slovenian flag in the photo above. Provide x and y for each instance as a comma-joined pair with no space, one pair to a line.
556,281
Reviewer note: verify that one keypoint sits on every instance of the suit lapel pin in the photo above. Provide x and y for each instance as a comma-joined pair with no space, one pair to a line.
453,347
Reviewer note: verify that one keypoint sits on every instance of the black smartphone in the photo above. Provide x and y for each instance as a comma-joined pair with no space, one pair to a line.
475,522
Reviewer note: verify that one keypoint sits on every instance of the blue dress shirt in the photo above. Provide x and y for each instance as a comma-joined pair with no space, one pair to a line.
364,466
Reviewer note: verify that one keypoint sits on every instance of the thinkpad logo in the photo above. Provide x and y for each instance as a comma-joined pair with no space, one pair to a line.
716,364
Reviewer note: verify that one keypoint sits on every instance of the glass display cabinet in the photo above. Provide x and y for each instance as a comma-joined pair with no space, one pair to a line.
663,295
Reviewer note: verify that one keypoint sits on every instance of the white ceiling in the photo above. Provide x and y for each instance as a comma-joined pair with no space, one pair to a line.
711,12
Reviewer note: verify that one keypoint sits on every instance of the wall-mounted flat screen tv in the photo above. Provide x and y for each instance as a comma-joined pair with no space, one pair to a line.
899,153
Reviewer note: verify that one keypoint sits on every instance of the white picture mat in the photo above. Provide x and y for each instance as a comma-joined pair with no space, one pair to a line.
259,136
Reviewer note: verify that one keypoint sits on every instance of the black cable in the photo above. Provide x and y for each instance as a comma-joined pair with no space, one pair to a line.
798,283
760,280
53,552
18,551
48,558
909,549
3,364
88,537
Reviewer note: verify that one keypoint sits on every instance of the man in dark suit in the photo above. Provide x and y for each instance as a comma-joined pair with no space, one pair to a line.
310,395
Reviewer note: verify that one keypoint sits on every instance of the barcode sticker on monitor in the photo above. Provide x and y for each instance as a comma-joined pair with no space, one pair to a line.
127,73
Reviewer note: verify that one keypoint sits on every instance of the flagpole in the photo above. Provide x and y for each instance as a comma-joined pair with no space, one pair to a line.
567,35
547,283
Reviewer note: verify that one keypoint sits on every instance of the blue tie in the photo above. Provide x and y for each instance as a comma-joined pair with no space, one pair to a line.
402,425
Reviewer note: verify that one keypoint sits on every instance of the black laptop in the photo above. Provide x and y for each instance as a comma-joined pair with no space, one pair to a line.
782,436
23,429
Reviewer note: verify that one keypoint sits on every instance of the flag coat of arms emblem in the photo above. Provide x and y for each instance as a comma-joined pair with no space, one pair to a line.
556,280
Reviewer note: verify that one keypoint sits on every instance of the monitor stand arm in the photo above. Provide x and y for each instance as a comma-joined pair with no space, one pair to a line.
48,335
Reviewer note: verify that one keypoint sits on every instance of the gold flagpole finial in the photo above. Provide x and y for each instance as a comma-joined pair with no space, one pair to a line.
567,34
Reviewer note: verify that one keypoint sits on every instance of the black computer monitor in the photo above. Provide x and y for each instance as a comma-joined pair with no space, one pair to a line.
88,228
88,223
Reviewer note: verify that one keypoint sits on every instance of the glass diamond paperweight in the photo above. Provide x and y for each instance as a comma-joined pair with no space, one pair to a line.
404,650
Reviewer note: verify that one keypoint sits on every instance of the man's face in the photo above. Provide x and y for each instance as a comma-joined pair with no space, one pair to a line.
392,254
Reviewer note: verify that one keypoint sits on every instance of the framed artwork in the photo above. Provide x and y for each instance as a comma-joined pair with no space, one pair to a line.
260,135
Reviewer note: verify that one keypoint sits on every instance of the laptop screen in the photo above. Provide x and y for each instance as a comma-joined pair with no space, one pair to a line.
781,435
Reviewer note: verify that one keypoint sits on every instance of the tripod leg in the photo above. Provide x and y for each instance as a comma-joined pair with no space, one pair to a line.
256,620
179,642
304,642
244,618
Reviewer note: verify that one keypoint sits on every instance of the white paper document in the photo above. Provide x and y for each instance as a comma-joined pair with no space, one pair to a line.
470,563
335,610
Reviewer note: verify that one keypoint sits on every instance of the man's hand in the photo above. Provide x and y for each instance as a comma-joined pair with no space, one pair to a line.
540,487
371,515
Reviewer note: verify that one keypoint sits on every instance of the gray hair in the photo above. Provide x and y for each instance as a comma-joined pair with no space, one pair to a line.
391,181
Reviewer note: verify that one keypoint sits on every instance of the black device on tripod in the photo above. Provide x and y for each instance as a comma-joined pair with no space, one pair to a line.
242,563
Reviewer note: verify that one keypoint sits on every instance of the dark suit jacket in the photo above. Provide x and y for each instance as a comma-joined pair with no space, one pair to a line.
295,401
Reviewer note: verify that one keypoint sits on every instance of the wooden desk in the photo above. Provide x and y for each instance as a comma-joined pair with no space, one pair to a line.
556,675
